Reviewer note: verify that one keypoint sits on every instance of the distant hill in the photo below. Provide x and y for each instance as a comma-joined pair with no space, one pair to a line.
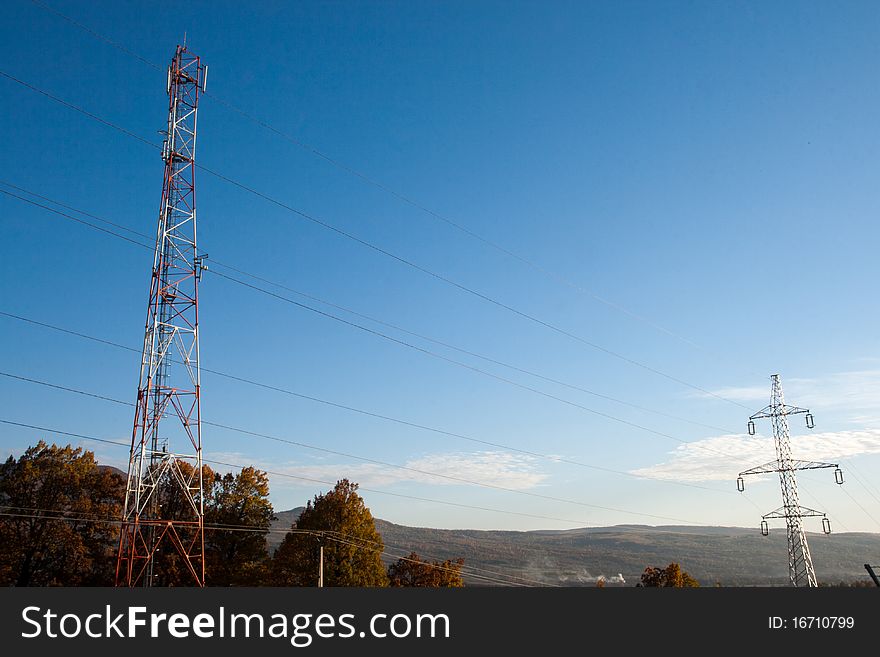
732,556
283,520
112,469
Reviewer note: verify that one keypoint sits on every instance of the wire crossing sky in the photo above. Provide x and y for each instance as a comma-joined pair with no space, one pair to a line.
689,186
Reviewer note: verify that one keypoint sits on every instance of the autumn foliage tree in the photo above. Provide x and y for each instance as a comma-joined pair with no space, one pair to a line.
60,522
352,547
413,571
237,518
62,532
671,576
238,514
169,566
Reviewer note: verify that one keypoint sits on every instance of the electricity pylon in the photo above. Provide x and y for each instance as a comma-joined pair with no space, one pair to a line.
166,442
800,563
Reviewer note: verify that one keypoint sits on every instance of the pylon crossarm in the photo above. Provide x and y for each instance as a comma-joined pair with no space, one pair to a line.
797,464
774,411
800,512
772,466
794,464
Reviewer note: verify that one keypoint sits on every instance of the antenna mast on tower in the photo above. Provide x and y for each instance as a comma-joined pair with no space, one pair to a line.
800,563
164,497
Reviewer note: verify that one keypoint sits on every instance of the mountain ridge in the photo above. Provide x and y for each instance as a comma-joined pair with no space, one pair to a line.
730,556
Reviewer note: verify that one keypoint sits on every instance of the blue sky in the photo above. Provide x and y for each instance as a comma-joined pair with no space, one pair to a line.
711,168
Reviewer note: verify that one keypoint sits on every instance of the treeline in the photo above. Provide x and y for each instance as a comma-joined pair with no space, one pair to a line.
59,526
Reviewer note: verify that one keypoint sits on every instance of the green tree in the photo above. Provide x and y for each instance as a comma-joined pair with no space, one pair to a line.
239,501
352,546
671,576
48,483
413,571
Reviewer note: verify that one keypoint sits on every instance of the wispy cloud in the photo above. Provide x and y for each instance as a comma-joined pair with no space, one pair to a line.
854,392
493,468
723,457
217,461
736,393
865,420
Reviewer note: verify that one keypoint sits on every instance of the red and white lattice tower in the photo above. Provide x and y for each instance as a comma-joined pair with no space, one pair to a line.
164,498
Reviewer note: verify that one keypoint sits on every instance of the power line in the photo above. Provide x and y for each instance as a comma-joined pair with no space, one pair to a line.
420,349
73,209
82,111
499,578
490,243
477,355
452,361
378,249
388,190
858,504
848,494
388,337
452,477
81,515
271,530
468,352
56,386
407,423
364,458
833,519
76,219
69,332
267,530
366,178
855,473
463,288
215,262
122,444
385,336
580,523
98,35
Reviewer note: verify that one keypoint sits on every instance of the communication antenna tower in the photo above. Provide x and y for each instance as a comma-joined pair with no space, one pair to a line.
800,563
166,442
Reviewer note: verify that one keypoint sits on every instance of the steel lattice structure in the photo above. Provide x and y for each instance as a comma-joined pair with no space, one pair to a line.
800,563
164,499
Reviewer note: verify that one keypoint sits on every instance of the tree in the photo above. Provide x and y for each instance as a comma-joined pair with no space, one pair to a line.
413,571
64,533
64,529
169,566
352,547
235,557
671,576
